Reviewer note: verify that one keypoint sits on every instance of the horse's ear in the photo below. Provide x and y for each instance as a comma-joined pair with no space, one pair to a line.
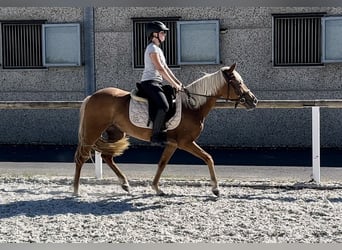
231,68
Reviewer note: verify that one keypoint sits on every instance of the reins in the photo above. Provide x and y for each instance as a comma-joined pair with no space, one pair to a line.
237,101
189,94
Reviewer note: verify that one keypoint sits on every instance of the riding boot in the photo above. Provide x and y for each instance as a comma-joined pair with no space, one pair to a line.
158,137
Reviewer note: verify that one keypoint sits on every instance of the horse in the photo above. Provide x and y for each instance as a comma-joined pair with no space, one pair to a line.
107,111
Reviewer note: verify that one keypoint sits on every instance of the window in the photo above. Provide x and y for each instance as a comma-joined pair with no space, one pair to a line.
198,42
61,44
34,44
331,38
21,44
297,39
140,40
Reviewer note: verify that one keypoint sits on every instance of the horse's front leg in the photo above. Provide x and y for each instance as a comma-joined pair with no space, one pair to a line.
197,151
164,159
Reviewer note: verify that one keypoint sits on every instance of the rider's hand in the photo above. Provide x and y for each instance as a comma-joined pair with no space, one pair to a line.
178,88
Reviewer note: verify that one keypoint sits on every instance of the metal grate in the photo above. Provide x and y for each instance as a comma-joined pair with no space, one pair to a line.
297,39
21,45
140,41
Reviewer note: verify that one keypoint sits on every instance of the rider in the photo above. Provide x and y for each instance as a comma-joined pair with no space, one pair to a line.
155,71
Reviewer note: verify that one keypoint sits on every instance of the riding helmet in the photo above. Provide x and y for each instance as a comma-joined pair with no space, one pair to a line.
155,26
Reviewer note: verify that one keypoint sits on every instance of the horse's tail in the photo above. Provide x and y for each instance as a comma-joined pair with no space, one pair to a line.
114,148
81,153
111,148
81,124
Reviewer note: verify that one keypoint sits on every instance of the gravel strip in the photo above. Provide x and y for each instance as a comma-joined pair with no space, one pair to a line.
42,209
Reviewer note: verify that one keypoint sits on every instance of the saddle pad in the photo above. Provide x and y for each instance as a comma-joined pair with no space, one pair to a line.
138,114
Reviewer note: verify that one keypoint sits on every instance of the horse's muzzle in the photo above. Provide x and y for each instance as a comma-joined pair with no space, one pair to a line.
251,102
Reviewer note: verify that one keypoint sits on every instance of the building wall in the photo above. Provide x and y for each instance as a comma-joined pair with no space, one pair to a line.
248,42
41,126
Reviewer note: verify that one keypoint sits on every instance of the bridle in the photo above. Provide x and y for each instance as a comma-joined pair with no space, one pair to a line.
229,80
238,90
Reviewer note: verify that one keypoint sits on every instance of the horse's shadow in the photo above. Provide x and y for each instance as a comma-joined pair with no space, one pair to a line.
76,205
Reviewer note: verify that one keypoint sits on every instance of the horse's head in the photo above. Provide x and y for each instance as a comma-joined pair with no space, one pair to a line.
237,90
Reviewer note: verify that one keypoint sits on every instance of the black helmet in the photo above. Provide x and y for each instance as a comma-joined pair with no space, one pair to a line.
155,26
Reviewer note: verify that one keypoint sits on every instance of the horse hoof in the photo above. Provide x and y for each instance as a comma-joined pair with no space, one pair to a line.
125,187
160,193
76,194
216,192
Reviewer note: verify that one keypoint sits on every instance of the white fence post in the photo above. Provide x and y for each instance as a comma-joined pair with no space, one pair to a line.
98,165
316,154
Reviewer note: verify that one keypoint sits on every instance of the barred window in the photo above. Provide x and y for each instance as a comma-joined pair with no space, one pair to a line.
140,40
21,44
297,39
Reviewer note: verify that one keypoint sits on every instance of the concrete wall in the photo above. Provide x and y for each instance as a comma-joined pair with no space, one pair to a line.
248,42
41,126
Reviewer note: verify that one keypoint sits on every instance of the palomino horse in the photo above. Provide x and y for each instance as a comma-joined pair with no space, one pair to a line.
107,111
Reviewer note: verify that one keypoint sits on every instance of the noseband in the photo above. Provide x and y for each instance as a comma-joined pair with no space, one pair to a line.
236,86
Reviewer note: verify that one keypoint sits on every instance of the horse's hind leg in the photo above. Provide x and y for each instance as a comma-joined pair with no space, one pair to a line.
166,156
81,156
121,176
115,135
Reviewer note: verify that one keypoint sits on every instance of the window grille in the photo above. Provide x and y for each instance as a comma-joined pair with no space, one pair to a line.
140,41
21,44
297,39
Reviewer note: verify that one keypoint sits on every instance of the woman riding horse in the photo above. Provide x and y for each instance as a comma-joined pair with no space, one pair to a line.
108,110
155,71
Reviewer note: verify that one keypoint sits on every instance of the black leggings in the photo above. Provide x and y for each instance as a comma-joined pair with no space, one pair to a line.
155,92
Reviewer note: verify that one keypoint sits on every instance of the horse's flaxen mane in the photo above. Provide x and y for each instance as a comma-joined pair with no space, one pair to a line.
207,85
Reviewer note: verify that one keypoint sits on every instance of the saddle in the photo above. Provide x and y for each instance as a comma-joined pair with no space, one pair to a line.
142,110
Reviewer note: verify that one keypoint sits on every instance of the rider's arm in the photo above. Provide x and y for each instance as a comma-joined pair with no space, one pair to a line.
173,76
165,72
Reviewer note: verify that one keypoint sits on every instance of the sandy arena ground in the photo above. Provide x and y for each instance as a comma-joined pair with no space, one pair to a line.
256,205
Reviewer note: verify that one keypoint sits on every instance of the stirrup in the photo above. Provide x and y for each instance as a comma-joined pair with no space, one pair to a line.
159,139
